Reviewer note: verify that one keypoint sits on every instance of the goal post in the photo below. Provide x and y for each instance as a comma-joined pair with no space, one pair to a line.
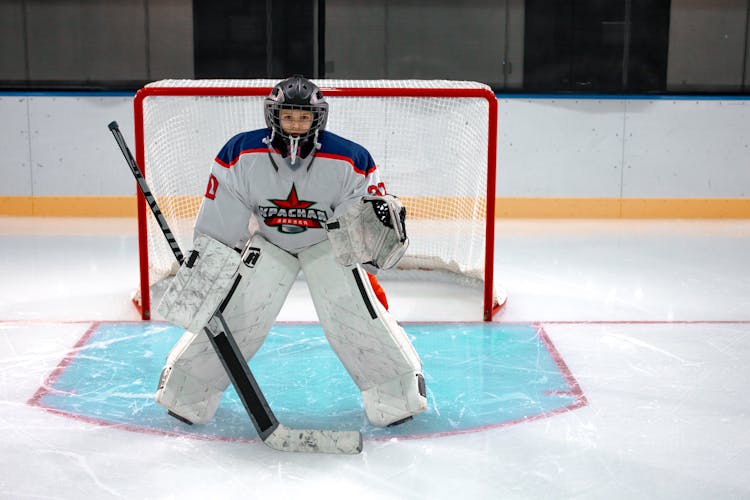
435,142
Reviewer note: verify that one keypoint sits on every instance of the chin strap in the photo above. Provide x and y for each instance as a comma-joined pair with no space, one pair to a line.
268,140
315,141
293,149
293,144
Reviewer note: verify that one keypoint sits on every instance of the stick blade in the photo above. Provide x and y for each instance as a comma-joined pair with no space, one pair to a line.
314,441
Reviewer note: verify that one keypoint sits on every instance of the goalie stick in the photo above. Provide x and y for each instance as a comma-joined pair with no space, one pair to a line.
272,433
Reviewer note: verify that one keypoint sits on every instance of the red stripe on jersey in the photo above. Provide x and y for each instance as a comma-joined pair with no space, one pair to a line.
348,160
237,158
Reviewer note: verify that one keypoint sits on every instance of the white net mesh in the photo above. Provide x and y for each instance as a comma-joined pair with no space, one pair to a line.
431,152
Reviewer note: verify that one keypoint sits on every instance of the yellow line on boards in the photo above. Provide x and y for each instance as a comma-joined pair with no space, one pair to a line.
623,208
68,206
417,207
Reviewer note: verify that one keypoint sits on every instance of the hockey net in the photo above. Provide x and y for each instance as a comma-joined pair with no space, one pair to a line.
434,142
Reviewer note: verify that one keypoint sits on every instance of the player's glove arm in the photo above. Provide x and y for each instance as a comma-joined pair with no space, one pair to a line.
372,231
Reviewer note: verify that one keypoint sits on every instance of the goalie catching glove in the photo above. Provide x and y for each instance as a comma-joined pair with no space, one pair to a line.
372,231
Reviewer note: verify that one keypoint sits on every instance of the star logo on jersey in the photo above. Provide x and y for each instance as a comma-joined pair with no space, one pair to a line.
292,215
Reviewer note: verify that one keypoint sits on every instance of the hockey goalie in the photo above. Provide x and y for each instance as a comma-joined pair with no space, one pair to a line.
283,199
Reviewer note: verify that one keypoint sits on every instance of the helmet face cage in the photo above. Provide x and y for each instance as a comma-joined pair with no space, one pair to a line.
296,93
273,118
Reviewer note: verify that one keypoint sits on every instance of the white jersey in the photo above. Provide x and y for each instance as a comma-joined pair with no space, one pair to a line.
252,181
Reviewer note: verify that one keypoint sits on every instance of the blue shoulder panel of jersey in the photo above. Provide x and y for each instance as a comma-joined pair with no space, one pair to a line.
337,146
243,142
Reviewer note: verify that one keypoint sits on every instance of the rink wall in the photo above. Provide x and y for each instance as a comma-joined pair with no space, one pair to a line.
573,156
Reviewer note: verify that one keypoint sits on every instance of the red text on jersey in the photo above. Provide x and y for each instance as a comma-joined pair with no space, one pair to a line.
378,190
213,185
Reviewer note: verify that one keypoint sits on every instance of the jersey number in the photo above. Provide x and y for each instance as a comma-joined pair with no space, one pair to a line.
378,190
213,185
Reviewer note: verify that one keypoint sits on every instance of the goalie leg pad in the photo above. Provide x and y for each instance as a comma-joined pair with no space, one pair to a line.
396,399
372,346
185,388
194,378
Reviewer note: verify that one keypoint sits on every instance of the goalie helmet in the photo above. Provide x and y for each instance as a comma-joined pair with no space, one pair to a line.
298,93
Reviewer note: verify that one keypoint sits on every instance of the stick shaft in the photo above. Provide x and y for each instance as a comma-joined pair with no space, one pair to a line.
217,330
143,186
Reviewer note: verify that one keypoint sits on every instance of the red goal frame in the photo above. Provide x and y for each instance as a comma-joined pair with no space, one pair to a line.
489,309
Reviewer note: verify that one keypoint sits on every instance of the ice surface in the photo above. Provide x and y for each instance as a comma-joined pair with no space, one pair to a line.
650,318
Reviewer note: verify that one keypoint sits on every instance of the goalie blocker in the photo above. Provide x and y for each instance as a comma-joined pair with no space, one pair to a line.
373,348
